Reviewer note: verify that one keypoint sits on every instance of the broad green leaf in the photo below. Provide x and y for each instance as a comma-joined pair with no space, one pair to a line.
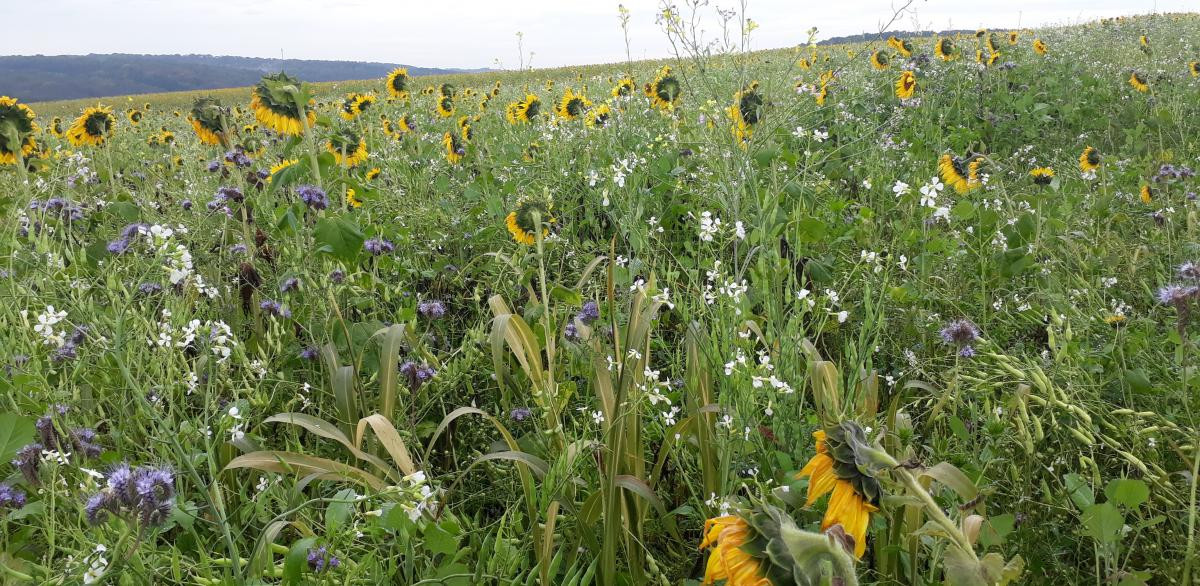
339,237
15,432
1129,492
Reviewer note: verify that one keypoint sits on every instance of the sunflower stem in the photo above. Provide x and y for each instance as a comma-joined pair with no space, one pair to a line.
309,146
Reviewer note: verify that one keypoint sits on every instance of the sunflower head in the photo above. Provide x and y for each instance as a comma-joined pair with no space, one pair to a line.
276,104
572,105
446,90
397,83
879,60
92,127
347,146
1040,47
531,152
1013,36
523,110
906,85
763,546
904,48
624,88
1089,160
1138,81
352,200
454,147
598,117
209,119
134,116
17,129
529,213
445,106
963,176
1146,194
373,174
665,90
944,48
1042,175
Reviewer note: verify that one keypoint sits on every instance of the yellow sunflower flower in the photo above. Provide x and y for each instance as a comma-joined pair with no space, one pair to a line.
1138,81
279,113
726,535
598,117
848,507
281,166
1042,175
521,221
664,92
1040,47
524,110
879,60
351,200
18,127
1089,160
906,85
445,106
348,147
951,170
454,148
944,49
93,127
746,112
1146,194
572,105
624,88
397,83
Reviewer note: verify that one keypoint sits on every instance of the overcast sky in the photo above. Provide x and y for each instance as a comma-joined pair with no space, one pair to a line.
477,33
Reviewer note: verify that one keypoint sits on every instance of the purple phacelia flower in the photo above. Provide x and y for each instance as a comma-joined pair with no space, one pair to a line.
378,246
431,309
313,196
959,332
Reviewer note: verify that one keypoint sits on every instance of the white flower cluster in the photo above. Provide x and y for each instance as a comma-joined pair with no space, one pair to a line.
45,326
216,334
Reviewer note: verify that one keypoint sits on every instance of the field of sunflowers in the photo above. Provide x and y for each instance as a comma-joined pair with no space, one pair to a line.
910,312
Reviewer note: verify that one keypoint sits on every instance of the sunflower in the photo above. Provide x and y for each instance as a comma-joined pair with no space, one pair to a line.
879,60
1039,47
904,48
523,110
1144,41
56,127
665,90
1146,194
944,48
1042,175
906,86
572,105
146,106
397,83
454,148
373,174
284,164
134,116
253,146
209,119
464,128
445,106
1194,67
18,125
348,147
728,561
351,200
446,90
953,173
746,111
404,124
1115,320
991,43
522,222
598,117
166,136
855,493
92,127
355,104
624,88
1089,160
1013,36
992,58
276,108
1138,81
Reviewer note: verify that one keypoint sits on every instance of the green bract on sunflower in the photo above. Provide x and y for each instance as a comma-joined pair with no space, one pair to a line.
18,127
276,105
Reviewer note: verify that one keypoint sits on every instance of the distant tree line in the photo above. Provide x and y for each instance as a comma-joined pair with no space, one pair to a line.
38,78
867,37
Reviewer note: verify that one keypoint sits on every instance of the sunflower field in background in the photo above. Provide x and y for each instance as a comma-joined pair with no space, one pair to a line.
914,311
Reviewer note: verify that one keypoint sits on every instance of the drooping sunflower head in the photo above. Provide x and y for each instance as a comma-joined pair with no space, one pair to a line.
1089,160
746,111
349,109
352,200
731,558
957,173
253,145
1146,194
523,110
1042,175
991,43
18,127
906,85
397,83
92,127
454,148
464,128
624,88
1040,47
404,124
904,48
1144,41
879,60
134,116
347,146
598,117
56,127
446,90
1138,81
373,174
572,105
843,466
281,166
445,106
165,136
276,104
993,57
944,48
529,213
531,152
209,119
1194,68
1013,37
665,89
